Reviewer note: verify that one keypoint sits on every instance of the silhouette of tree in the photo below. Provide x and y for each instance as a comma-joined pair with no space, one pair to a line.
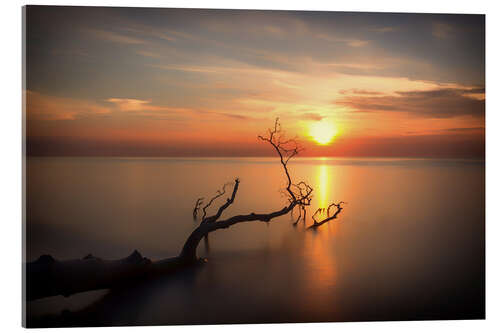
328,216
197,206
48,277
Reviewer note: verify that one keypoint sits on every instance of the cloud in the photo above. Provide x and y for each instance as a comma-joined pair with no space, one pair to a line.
465,129
442,92
442,30
44,107
352,42
148,54
312,116
382,29
440,145
128,104
114,37
359,92
232,68
360,66
231,115
68,52
356,42
437,103
149,110
148,31
194,69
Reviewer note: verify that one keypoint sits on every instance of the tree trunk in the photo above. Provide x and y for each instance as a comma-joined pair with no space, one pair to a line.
50,277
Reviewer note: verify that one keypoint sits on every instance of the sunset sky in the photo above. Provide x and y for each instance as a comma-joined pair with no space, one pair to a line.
173,82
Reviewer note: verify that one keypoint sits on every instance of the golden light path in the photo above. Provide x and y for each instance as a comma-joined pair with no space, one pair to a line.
323,185
319,252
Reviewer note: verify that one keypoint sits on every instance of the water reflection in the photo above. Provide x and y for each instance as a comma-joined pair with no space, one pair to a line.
323,185
326,183
396,252
321,261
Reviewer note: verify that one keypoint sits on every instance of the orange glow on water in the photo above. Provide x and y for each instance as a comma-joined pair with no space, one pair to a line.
323,180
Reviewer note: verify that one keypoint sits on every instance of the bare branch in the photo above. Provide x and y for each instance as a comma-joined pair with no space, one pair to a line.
49,277
252,217
219,194
221,209
286,150
336,205
197,206
328,218
318,211
299,217
298,194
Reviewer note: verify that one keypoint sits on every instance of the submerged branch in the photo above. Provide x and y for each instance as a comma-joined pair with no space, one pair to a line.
197,206
299,194
219,194
49,277
221,209
328,218
302,215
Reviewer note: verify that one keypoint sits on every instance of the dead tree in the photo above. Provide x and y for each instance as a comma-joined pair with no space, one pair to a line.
298,195
48,277
219,194
328,216
197,206
302,215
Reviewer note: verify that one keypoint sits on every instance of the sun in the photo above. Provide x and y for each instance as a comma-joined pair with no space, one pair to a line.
323,132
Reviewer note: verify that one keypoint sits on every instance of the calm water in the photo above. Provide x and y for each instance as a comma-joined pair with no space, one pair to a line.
408,245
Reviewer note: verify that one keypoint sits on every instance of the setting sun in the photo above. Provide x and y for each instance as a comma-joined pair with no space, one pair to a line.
323,132
303,151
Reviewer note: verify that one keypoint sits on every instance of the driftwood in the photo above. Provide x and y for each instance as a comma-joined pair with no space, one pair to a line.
328,217
49,277
197,206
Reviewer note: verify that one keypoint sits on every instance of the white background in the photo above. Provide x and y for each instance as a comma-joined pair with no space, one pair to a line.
10,156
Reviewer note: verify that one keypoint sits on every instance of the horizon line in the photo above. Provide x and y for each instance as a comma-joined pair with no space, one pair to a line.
481,158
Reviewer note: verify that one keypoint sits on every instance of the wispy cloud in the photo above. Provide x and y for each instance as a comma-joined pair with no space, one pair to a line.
437,103
40,107
382,29
466,129
353,42
354,65
442,30
227,67
359,92
148,54
149,31
114,37
219,70
128,104
312,116
187,68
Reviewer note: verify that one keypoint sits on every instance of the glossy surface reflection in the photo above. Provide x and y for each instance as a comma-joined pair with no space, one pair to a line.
409,244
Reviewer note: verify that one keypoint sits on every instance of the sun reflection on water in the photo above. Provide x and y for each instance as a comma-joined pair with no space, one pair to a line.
319,253
323,180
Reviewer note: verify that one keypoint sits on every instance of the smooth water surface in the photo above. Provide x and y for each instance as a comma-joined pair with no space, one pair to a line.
408,245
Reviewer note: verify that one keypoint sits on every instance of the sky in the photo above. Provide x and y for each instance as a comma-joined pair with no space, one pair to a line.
176,82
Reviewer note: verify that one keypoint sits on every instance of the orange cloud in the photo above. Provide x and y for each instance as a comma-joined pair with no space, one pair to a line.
128,104
43,107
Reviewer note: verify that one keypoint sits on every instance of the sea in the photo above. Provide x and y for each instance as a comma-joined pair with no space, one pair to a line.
408,245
